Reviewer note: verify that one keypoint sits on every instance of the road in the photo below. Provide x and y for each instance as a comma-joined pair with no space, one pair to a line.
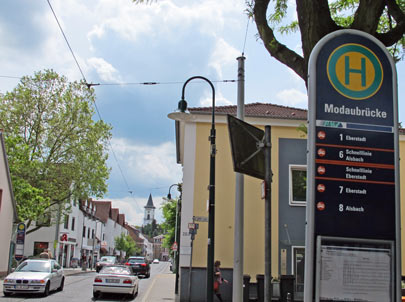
78,288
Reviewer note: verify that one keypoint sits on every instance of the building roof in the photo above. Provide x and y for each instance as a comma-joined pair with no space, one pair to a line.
150,205
121,219
103,209
114,214
265,110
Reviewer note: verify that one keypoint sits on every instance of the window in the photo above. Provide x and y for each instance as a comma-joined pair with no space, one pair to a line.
1,194
92,234
84,232
66,223
88,233
298,185
103,236
39,247
73,223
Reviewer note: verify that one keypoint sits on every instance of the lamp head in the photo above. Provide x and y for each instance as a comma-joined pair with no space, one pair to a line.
182,107
169,196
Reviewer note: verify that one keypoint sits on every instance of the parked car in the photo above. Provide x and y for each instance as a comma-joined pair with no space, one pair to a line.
118,279
155,261
105,260
139,265
35,276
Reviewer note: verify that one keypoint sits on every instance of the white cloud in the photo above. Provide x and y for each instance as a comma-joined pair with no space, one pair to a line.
105,70
148,164
133,208
293,97
220,100
223,54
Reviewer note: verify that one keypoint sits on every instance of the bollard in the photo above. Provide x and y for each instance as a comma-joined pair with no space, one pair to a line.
260,288
287,288
246,283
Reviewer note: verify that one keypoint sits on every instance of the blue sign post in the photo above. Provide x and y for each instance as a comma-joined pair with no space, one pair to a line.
353,222
20,240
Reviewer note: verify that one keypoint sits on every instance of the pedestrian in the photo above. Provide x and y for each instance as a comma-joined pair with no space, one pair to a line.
45,254
218,279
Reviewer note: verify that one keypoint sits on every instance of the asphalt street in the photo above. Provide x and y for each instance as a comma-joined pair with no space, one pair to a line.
78,288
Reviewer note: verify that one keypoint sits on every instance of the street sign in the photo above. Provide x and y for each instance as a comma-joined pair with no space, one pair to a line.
174,247
200,218
247,152
20,240
352,166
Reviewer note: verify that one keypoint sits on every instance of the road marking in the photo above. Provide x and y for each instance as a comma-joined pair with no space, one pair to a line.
150,289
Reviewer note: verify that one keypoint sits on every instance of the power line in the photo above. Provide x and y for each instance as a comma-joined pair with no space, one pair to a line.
89,86
67,42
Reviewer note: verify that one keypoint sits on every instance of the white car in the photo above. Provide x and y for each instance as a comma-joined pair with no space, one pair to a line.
35,276
156,261
117,279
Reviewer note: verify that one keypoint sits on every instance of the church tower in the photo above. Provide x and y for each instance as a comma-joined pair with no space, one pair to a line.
149,212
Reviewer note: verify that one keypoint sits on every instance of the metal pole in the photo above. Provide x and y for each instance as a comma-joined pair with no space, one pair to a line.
237,286
211,201
190,269
57,226
176,287
267,216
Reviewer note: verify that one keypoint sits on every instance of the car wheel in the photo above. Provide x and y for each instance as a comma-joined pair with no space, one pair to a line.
62,283
46,291
134,293
147,275
6,294
96,295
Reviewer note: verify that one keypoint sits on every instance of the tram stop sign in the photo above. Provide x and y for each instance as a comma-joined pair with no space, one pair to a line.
352,176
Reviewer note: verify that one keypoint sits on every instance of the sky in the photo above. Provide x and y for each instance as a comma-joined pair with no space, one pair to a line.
119,44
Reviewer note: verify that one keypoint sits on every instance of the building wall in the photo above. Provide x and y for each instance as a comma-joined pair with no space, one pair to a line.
6,215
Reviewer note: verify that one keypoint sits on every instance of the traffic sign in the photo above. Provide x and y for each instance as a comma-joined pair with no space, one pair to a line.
352,176
20,240
174,247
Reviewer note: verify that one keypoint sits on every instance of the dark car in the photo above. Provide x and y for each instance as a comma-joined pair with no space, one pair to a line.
105,260
139,265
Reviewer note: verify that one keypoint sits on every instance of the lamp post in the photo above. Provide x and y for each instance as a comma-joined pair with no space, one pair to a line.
211,202
176,229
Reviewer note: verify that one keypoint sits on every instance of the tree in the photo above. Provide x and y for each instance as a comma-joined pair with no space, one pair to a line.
169,224
383,19
126,244
152,229
56,150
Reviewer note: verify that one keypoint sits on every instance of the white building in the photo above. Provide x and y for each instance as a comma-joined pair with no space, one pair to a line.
8,213
85,234
149,215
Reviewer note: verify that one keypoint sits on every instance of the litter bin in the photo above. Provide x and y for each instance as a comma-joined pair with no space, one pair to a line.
246,287
260,287
287,288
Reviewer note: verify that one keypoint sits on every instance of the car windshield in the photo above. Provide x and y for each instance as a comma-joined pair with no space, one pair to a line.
34,266
119,270
136,260
107,259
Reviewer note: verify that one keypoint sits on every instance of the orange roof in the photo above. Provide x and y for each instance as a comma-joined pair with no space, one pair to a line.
266,110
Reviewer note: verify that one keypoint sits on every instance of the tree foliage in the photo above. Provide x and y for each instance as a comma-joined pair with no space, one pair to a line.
170,208
383,19
55,149
126,244
152,229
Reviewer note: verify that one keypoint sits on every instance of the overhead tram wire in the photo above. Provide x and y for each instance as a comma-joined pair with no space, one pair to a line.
89,85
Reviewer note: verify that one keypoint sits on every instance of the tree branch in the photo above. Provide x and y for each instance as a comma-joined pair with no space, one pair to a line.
395,34
277,50
367,15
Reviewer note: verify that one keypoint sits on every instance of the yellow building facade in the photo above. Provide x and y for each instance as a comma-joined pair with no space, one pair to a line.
193,153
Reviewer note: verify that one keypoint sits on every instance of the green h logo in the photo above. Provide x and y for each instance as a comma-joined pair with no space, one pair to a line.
354,71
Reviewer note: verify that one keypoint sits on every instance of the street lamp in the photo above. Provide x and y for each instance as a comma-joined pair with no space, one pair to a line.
176,229
182,107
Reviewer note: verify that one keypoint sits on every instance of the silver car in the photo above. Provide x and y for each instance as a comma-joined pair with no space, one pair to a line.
118,279
35,276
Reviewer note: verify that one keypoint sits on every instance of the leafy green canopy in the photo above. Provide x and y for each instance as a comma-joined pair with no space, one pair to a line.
55,149
126,244
383,19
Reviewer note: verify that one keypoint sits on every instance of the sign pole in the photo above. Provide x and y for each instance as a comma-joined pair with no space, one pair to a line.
267,215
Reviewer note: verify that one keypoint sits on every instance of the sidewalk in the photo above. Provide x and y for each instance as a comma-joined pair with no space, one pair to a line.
161,289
